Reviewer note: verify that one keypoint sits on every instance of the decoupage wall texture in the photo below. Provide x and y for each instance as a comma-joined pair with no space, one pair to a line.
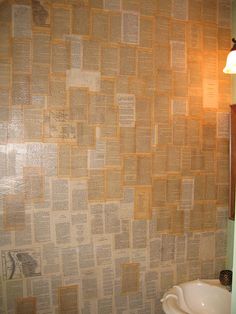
114,151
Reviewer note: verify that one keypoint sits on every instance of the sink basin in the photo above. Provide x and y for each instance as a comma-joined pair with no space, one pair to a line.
197,297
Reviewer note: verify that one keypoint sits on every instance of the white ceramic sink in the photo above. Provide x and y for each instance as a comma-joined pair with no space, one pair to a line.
197,297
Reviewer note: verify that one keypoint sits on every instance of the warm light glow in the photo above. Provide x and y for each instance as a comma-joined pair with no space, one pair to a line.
230,67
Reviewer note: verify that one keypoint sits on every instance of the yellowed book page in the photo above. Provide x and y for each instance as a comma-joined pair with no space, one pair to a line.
146,32
64,160
74,48
163,220
85,135
14,212
210,89
112,157
110,128
164,81
194,35
127,140
130,278
97,109
109,61
41,48
143,199
59,58
130,5
80,20
145,64
33,124
222,124
59,194
159,161
199,187
178,56
58,127
224,14
100,25
115,28
21,15
187,194
211,186
26,305
197,160
173,189
210,38
113,5
91,55
195,10
34,183
162,109
15,126
196,217
21,56
96,157
143,140
113,184
60,22
209,216
126,103
4,106
144,170
180,9
127,61
209,11
174,158
195,106
143,110
130,27
164,7
159,186
96,185
40,79
69,299
209,136
130,170
79,162
85,79
162,30
192,132
177,222
21,90
210,68
5,40
57,98
164,133
5,70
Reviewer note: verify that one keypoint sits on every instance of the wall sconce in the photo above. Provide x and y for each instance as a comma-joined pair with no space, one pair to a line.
230,67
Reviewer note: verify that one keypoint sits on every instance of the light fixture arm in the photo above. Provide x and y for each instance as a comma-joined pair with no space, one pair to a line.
234,45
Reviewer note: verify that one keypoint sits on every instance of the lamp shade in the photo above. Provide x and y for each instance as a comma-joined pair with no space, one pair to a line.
230,67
